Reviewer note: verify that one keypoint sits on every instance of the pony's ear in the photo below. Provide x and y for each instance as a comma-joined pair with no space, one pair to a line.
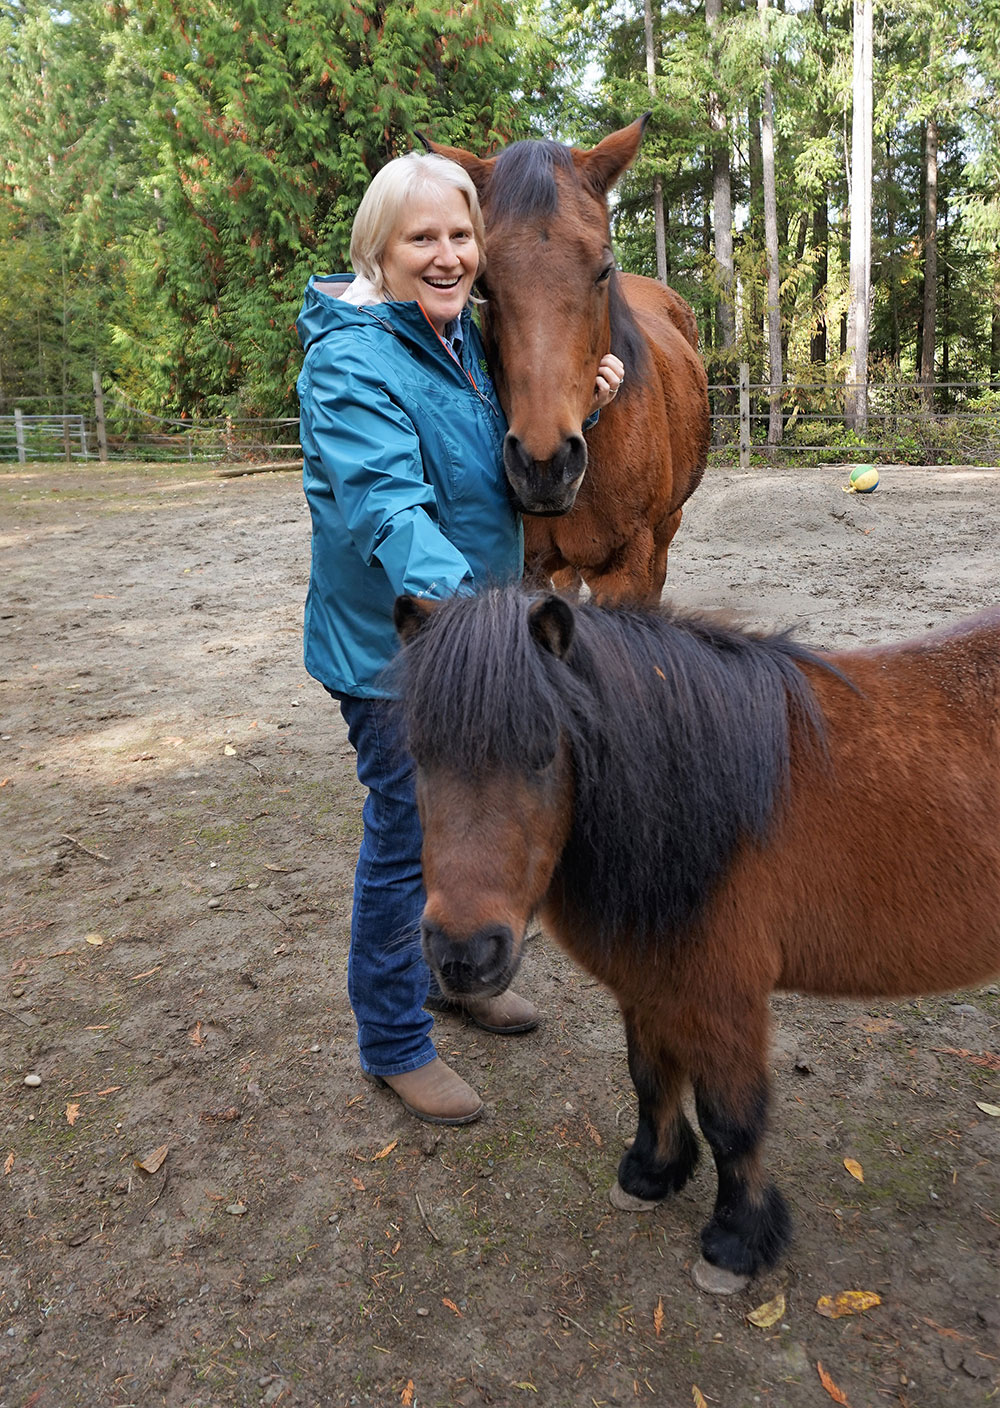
479,168
410,615
551,623
601,167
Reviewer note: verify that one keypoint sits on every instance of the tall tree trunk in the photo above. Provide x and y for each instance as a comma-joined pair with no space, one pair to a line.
820,237
890,213
929,316
859,305
658,215
722,197
771,239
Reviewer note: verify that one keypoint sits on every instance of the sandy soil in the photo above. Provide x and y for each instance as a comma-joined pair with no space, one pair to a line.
180,818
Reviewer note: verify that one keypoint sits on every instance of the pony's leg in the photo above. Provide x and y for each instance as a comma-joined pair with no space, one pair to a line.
664,1153
750,1226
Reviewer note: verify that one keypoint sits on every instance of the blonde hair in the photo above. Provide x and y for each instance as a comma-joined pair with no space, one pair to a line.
381,208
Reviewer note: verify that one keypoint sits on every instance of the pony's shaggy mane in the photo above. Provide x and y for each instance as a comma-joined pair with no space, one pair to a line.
679,728
523,186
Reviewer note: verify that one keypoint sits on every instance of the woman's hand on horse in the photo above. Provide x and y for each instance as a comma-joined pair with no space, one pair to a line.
610,375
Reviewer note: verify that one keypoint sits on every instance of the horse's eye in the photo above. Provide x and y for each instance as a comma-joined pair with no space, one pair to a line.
605,274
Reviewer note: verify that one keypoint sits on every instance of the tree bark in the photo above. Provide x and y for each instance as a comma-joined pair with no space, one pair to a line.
658,215
774,424
929,314
859,306
820,238
722,198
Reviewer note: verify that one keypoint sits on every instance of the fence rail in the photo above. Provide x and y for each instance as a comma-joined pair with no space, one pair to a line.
948,422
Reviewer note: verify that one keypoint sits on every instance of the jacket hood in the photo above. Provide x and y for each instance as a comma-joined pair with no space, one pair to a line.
325,309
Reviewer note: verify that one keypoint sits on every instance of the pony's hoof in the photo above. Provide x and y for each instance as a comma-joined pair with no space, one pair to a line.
716,1280
625,1202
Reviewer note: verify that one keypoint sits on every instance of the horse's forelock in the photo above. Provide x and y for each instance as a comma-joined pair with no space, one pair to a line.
523,180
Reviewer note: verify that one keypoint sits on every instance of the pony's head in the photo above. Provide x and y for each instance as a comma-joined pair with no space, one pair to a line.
493,780
554,306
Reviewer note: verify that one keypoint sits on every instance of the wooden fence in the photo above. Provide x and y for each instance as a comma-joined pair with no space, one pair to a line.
953,422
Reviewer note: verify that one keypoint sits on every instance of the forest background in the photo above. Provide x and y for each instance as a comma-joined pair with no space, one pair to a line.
171,173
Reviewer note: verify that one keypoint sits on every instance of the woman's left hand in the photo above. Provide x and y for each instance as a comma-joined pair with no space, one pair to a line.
610,375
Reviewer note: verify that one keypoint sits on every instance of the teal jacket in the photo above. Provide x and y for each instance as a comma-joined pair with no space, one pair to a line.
403,472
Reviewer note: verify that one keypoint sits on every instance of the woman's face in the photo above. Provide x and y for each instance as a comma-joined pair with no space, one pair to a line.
432,255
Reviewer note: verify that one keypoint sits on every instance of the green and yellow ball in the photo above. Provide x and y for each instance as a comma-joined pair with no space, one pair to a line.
864,479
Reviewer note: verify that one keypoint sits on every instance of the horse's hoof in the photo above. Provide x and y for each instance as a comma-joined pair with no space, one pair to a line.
625,1202
716,1280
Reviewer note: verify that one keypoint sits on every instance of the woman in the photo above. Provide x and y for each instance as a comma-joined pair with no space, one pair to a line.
402,438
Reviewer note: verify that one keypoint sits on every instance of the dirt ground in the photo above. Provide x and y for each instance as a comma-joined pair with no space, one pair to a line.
180,820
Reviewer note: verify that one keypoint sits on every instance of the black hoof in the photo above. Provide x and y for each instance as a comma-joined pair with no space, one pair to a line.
748,1239
640,1175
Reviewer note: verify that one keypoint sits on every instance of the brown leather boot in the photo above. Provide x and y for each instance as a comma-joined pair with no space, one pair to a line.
434,1093
507,1014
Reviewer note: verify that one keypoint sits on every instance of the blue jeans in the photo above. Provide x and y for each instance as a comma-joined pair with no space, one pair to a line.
387,978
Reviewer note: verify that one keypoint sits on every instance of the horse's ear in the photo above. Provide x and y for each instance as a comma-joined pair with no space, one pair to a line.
551,623
410,615
601,167
478,167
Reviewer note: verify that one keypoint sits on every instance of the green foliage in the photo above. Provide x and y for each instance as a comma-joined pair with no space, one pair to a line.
200,161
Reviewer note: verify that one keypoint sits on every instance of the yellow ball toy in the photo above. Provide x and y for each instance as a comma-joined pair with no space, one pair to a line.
864,479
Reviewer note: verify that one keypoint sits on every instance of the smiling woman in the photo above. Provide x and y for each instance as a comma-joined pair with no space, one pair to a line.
432,256
402,438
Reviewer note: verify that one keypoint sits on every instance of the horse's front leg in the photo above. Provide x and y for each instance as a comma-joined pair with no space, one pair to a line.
664,1152
750,1226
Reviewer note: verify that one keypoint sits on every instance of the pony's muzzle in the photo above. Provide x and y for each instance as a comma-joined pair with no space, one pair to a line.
480,965
546,488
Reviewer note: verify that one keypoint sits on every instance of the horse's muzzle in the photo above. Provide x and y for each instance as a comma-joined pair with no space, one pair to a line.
545,488
480,965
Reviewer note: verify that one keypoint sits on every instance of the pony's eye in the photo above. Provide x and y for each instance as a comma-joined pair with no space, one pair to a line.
605,274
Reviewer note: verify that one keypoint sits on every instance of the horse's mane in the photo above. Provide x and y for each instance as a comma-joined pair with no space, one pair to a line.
680,731
523,186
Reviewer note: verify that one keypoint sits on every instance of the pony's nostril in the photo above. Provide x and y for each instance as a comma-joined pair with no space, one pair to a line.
479,963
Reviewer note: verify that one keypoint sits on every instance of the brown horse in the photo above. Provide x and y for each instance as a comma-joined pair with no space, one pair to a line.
701,815
605,504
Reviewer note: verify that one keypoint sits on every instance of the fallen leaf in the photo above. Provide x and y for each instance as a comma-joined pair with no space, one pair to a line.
698,1396
229,751
451,1306
769,1313
359,1185
986,1059
8,1166
194,1035
406,1397
384,1153
855,1169
153,1161
524,1382
109,1090
993,1110
837,1394
658,1316
847,1303
95,939
72,1114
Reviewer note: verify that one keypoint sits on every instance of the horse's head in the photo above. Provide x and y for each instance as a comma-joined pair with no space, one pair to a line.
550,282
493,788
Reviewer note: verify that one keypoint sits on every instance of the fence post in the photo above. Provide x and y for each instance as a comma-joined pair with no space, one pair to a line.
102,429
744,415
19,434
